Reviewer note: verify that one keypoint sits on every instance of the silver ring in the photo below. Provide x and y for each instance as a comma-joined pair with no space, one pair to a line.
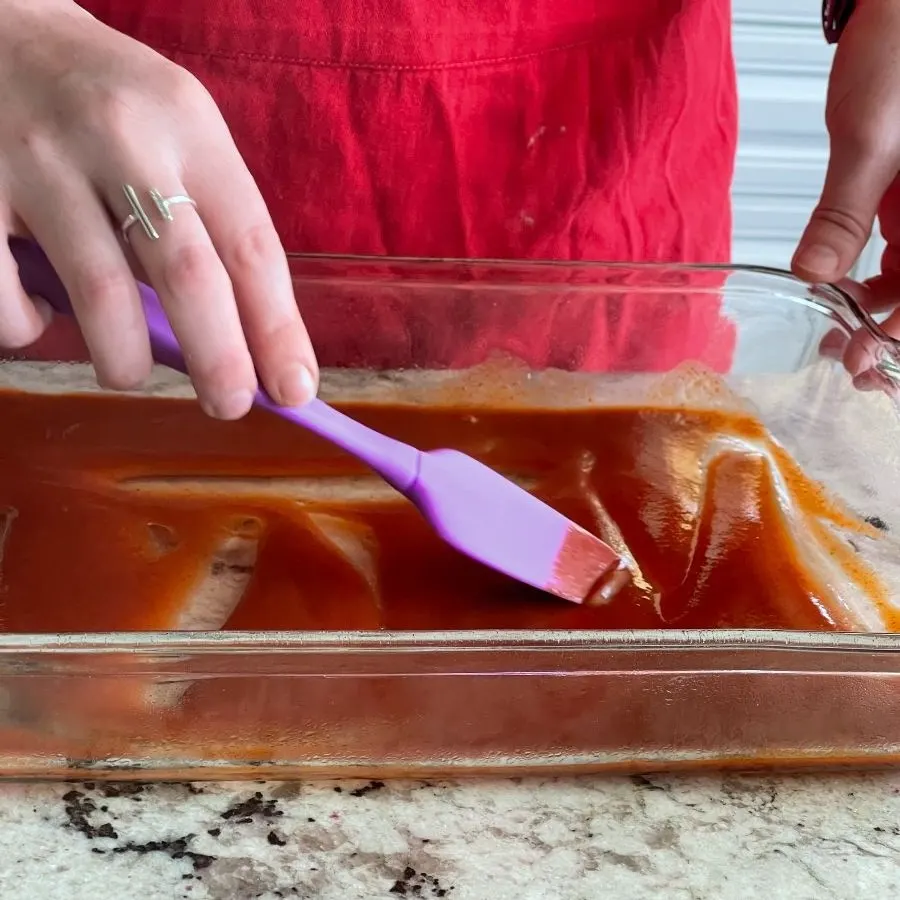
139,214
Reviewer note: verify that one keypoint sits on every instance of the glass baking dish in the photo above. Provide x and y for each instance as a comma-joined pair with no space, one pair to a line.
213,704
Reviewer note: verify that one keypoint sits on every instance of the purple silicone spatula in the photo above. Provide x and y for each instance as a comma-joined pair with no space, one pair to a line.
473,508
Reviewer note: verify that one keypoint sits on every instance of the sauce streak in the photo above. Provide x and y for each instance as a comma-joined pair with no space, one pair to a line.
142,514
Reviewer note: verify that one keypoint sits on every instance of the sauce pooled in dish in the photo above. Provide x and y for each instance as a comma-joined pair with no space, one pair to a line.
142,514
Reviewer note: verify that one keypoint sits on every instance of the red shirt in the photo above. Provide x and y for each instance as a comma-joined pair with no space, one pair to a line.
568,129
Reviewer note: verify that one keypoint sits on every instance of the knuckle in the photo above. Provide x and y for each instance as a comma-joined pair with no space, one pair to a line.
256,247
186,92
188,269
845,220
38,145
102,288
111,112
276,339
229,370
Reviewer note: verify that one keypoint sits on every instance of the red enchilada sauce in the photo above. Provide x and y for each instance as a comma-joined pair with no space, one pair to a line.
114,513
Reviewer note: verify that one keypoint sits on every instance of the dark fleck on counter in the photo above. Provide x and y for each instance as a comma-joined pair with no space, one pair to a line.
245,811
642,781
275,839
367,789
120,789
175,849
79,808
419,884
877,522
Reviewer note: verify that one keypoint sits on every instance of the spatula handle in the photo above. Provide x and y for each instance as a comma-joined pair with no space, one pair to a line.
396,462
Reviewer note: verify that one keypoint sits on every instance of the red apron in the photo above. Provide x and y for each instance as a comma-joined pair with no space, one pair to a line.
563,129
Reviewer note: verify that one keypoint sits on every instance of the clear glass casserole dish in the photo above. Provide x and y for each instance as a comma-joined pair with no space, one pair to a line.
201,703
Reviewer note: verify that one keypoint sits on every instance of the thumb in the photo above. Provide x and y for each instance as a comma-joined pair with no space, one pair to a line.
842,221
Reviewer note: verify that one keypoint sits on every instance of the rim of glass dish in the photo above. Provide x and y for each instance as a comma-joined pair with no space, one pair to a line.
545,263
845,292
445,641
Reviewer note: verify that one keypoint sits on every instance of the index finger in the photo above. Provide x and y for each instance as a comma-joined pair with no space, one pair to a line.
246,241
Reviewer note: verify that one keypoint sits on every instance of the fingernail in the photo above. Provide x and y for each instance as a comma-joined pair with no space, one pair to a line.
297,386
819,259
231,406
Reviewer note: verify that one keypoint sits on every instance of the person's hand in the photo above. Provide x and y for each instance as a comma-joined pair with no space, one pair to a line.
863,119
863,180
86,111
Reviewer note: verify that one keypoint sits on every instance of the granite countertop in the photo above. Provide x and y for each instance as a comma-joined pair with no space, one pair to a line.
806,837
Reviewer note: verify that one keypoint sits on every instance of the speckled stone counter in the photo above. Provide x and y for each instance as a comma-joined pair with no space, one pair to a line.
809,837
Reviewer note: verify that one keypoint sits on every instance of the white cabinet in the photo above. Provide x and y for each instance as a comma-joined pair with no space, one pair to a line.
782,63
